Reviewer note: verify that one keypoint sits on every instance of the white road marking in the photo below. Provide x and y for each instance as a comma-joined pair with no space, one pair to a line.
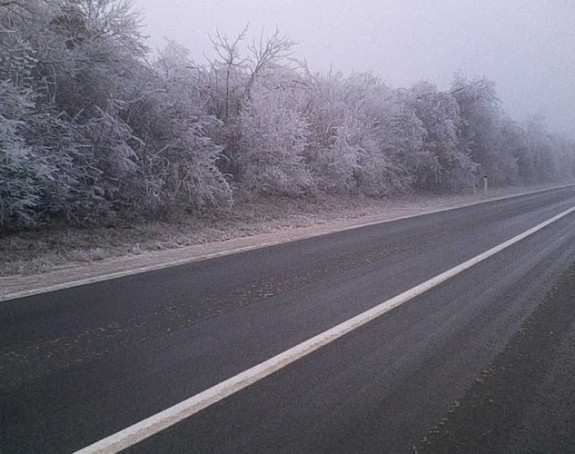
130,272
187,260
160,421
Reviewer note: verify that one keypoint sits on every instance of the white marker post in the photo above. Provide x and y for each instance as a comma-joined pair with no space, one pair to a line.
485,184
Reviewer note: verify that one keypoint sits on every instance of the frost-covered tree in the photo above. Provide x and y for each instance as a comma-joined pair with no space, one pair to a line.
353,143
274,136
232,74
67,53
539,162
20,172
104,49
443,162
564,153
331,158
92,131
480,131
177,153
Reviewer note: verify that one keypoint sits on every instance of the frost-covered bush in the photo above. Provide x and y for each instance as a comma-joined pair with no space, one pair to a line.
193,178
360,138
105,141
182,151
95,131
21,173
274,137
480,129
334,151
443,162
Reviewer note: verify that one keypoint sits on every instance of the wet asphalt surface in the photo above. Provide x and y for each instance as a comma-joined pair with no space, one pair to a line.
80,364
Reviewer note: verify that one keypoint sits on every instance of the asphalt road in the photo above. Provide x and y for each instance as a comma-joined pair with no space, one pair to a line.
523,401
80,364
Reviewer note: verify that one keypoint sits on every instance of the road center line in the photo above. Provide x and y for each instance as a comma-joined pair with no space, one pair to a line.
166,418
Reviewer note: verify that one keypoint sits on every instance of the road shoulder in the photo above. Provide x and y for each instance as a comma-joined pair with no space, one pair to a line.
75,273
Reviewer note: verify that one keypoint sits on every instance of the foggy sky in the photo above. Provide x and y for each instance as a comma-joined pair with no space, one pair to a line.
526,46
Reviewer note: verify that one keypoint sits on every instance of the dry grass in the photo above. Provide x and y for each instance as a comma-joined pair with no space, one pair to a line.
40,251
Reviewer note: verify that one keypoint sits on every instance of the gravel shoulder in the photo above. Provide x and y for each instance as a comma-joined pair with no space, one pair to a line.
34,262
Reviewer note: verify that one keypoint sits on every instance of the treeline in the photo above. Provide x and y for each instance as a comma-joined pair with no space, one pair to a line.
93,131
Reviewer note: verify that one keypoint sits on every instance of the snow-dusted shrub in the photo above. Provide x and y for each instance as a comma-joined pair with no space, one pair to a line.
360,137
193,180
273,139
179,157
443,162
331,157
105,141
336,163
92,132
20,172
481,127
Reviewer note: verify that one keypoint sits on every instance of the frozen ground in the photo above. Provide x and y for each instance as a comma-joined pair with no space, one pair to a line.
35,261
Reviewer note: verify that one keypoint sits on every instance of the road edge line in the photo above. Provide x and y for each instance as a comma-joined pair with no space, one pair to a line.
201,258
172,415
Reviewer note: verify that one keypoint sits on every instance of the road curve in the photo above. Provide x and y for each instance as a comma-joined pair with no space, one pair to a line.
80,364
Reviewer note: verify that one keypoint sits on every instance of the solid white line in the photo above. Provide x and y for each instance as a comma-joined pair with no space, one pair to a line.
187,260
160,421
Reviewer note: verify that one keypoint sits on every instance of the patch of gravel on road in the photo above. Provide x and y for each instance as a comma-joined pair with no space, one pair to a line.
523,402
33,260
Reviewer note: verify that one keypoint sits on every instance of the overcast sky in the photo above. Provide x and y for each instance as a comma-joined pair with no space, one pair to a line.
526,46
